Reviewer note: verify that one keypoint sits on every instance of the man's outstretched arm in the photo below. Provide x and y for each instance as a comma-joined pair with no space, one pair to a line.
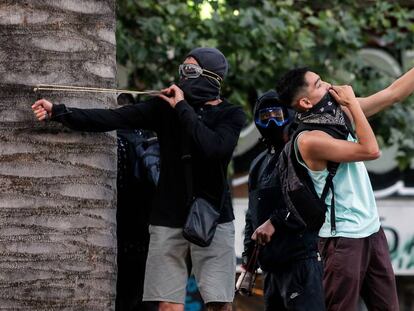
99,120
399,90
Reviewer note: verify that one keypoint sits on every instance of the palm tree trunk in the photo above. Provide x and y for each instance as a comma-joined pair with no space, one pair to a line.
58,187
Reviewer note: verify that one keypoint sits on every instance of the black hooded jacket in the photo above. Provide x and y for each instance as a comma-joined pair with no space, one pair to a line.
291,240
214,132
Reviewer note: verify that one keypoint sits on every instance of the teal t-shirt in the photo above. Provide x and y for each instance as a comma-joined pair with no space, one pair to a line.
356,213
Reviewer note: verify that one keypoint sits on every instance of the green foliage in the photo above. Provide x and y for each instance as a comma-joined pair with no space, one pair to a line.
262,39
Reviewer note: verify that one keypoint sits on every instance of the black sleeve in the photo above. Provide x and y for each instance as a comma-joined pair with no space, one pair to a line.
285,220
248,242
144,115
279,218
217,142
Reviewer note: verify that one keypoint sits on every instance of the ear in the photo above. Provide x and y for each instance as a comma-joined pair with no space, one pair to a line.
304,103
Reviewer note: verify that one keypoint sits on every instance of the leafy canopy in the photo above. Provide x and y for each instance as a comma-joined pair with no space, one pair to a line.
262,39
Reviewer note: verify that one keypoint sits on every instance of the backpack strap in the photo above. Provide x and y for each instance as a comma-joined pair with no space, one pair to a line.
332,168
187,164
187,158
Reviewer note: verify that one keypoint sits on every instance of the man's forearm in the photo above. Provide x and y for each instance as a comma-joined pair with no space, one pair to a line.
364,133
101,120
399,90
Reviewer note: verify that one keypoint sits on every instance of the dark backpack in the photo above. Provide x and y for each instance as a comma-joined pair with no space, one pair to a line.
298,190
144,155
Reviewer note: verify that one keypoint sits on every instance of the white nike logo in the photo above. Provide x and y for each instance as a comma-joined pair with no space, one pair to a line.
294,295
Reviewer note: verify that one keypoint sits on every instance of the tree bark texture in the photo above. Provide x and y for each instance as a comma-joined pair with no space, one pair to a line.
58,187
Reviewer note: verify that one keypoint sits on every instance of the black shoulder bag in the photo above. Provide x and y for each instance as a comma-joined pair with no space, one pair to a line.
200,225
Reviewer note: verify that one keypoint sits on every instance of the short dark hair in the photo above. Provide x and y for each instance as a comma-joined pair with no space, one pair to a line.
290,84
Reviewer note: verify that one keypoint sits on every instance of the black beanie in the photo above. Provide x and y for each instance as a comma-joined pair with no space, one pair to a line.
204,88
210,59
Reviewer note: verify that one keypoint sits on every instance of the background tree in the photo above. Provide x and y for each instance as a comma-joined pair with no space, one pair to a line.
57,199
262,39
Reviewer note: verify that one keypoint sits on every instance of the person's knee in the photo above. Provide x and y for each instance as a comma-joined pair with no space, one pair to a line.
169,306
219,306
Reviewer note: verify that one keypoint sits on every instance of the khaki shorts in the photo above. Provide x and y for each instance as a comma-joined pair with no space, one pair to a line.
171,258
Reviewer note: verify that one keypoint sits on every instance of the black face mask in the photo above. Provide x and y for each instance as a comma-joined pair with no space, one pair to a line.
327,104
198,91
327,112
274,135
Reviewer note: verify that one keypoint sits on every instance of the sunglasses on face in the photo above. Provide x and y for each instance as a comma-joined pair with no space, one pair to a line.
193,71
269,115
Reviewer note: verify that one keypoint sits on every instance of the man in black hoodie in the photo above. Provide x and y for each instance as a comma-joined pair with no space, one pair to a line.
193,109
288,254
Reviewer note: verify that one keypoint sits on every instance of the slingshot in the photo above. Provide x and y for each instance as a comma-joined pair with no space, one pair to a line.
70,88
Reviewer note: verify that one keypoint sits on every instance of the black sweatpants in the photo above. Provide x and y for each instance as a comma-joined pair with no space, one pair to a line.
296,287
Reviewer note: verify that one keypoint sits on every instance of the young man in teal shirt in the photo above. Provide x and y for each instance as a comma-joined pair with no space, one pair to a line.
356,257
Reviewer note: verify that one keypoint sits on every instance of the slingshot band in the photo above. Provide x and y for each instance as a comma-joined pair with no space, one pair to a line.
69,88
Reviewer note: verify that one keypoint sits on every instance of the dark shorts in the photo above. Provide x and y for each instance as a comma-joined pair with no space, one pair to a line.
297,287
357,268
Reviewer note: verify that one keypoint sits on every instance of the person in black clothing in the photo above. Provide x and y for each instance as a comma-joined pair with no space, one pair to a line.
194,109
289,254
137,178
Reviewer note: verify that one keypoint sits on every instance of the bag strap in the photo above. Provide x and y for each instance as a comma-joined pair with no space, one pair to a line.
188,171
332,168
